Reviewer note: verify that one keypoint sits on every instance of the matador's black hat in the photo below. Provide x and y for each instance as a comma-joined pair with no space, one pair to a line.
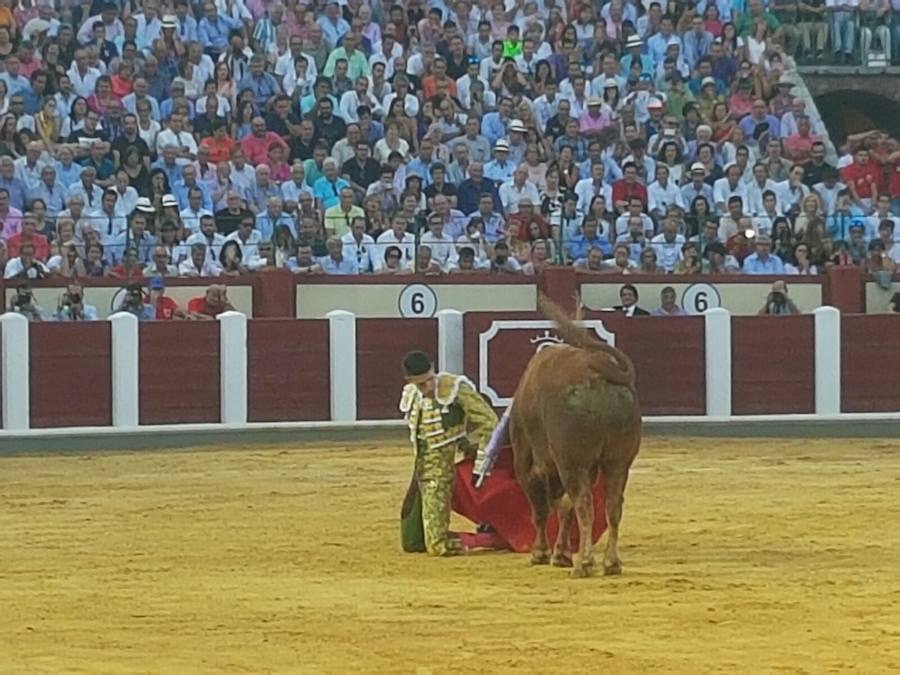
416,363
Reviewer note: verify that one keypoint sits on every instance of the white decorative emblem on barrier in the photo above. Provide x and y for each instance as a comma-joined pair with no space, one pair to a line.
541,340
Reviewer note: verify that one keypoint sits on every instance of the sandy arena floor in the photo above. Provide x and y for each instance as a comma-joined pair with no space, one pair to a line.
740,556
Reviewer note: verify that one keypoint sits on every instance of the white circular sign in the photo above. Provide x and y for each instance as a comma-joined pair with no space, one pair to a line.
417,301
697,298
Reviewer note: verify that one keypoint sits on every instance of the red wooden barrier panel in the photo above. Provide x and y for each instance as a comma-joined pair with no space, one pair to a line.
668,354
288,372
70,379
179,367
380,346
870,363
772,365
669,357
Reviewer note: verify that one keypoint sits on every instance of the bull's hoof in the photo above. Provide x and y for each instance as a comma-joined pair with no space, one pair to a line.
540,558
561,560
612,569
582,571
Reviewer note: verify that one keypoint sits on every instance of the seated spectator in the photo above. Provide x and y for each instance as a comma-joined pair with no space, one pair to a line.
165,307
667,304
628,296
621,261
336,262
762,261
214,302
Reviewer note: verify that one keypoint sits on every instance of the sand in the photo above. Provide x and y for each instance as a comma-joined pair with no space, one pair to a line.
740,556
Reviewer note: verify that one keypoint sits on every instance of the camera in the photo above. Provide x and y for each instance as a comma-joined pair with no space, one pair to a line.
23,298
778,298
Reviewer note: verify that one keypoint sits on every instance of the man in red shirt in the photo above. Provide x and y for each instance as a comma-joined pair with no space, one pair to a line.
862,178
166,308
256,144
30,235
627,187
213,303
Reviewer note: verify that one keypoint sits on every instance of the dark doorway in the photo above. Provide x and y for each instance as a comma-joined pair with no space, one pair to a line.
851,112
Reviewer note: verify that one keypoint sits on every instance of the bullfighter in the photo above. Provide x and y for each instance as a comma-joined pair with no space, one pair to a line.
442,410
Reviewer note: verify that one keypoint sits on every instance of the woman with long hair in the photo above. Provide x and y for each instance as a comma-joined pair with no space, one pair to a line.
93,263
46,123
800,262
722,123
730,39
52,64
568,169
552,195
810,211
231,259
8,137
246,111
284,244
75,119
6,44
376,218
537,170
136,170
699,213
405,126
783,238
159,187
670,156
224,82
4,98
711,20
518,246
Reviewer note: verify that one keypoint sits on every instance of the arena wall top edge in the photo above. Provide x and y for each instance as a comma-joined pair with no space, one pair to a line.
279,294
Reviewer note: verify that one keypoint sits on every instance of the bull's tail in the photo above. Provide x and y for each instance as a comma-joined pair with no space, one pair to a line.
614,365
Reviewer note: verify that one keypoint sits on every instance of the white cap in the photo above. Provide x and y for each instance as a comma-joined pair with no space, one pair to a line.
517,125
501,145
169,200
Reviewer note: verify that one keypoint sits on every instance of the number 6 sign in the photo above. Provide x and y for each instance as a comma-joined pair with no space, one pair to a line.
697,298
417,301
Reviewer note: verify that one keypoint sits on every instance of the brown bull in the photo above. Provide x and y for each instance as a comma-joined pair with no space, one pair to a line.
575,415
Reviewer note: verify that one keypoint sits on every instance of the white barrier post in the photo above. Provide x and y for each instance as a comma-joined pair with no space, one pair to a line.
342,358
718,362
233,367
125,370
828,360
450,341
15,372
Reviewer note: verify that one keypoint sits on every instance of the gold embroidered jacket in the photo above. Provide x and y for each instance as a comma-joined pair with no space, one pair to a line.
456,410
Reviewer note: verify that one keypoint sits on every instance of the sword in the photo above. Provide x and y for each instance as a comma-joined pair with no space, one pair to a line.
492,448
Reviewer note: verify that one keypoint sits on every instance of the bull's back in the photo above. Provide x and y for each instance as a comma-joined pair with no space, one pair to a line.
563,399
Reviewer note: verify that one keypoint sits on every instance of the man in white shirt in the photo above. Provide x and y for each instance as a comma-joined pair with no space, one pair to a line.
668,244
729,186
83,77
396,236
198,263
593,186
760,184
360,246
791,192
443,249
286,62
177,136
517,189
661,194
357,97
248,239
209,237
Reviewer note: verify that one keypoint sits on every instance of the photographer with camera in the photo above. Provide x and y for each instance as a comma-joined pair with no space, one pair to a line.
23,303
72,306
778,302
133,303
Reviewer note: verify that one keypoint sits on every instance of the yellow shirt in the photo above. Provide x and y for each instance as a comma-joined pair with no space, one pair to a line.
339,221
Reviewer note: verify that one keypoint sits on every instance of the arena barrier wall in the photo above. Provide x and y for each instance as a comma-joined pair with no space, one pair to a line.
124,375
280,294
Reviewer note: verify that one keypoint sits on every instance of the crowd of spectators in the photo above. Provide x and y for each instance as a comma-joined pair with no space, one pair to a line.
224,137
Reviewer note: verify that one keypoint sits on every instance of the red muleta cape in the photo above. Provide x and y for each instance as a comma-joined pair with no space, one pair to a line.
502,504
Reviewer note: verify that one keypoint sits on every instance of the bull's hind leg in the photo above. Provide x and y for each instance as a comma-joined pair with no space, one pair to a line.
562,551
578,486
538,491
616,476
